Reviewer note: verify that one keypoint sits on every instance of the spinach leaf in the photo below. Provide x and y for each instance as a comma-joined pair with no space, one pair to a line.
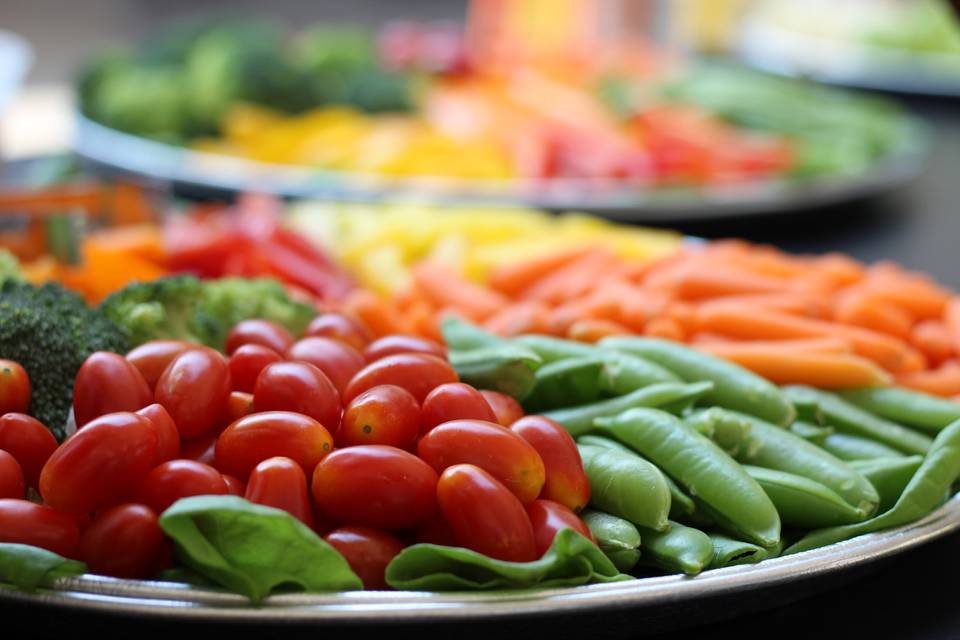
29,567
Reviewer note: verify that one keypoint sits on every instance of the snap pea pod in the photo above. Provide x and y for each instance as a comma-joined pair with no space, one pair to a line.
506,368
681,505
726,429
849,447
889,475
849,418
619,539
938,471
734,386
775,448
802,502
464,336
912,408
725,490
626,486
552,349
811,432
808,411
679,549
728,552
566,383
579,420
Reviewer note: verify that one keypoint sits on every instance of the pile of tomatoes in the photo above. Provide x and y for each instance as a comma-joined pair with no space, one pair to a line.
374,444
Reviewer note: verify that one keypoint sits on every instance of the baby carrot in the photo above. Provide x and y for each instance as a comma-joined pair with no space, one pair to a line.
379,315
951,318
921,297
932,338
794,303
589,330
866,309
697,283
944,381
445,289
522,317
666,328
826,344
824,370
573,280
513,279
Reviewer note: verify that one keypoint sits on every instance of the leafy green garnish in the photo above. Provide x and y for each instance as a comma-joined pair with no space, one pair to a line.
29,567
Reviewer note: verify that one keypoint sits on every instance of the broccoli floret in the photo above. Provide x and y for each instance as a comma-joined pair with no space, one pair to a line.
50,332
185,308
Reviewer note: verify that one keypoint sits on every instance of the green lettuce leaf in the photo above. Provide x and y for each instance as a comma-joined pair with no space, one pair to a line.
29,567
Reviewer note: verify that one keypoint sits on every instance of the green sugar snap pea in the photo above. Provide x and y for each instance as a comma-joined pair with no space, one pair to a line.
810,431
505,368
912,408
727,429
680,549
579,420
889,475
802,502
725,490
848,418
938,471
619,539
734,386
626,486
566,383
849,447
728,552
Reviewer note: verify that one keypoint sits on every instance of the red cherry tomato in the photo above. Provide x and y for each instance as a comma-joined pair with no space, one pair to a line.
338,360
262,332
235,486
241,404
151,358
25,522
566,481
14,388
280,483
168,438
124,542
27,440
392,345
386,414
107,383
504,407
498,451
484,515
299,387
176,479
195,389
454,401
258,436
376,486
548,517
247,362
202,449
436,530
99,465
340,326
368,551
418,373
12,484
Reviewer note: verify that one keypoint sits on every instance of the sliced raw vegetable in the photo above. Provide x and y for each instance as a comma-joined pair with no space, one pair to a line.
627,486
619,539
805,503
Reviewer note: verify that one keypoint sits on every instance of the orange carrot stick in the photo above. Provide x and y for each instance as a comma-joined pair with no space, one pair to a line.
951,318
922,298
666,328
379,315
523,317
795,303
932,338
446,289
513,279
826,344
590,330
575,279
863,308
944,381
825,370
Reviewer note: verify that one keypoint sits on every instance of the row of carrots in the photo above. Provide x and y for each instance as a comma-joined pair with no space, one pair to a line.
827,321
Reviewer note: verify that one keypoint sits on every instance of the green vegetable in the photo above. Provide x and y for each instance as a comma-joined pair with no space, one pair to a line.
185,308
912,408
626,486
714,479
616,537
565,383
811,432
252,549
728,552
679,549
50,331
925,491
463,336
570,561
888,475
580,420
802,502
506,368
9,266
848,418
27,567
734,386
727,429
848,447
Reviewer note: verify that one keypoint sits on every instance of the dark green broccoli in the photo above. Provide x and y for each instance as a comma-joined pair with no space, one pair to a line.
51,331
185,308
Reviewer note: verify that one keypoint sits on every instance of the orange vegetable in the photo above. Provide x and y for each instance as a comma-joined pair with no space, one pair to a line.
513,279
665,327
800,345
794,303
379,315
443,288
575,279
867,309
944,381
825,370
593,330
933,339
698,283
523,317
951,318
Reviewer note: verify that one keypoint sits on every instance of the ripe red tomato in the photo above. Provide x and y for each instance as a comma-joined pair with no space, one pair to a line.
258,436
107,383
484,515
299,387
176,479
280,483
25,522
548,517
338,360
340,326
202,449
386,414
27,440
376,486
14,388
498,451
235,486
195,389
368,551
12,484
262,332
566,481
392,345
168,438
151,358
246,363
454,401
124,542
418,373
241,404
504,407
436,530
99,465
